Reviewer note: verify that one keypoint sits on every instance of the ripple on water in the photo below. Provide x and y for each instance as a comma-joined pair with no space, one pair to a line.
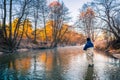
68,63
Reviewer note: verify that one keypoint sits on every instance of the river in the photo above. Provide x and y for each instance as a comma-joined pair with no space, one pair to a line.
63,63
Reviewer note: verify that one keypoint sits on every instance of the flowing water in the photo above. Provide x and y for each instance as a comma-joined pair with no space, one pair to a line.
63,63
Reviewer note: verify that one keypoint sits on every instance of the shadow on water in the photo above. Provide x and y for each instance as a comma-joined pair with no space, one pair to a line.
67,63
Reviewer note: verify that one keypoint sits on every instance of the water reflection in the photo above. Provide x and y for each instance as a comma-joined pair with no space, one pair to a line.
68,63
89,74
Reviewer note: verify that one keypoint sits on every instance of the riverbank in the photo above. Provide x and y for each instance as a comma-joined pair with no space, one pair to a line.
27,49
115,53
101,45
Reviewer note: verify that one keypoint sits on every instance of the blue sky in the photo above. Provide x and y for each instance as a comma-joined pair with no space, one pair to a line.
74,6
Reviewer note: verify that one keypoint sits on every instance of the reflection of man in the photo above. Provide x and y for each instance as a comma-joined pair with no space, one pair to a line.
89,51
89,74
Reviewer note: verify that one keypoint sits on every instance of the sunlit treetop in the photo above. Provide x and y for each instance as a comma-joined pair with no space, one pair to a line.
82,14
54,3
88,12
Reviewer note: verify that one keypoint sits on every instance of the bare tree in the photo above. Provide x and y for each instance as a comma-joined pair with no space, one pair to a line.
58,16
36,7
86,21
109,12
12,40
44,15
38,15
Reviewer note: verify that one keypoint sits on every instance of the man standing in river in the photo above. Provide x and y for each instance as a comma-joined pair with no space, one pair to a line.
89,51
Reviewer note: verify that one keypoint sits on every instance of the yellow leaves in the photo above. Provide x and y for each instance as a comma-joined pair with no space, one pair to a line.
49,31
14,23
25,25
40,34
27,28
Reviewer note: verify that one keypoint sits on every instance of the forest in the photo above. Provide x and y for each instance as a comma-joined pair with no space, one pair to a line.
37,24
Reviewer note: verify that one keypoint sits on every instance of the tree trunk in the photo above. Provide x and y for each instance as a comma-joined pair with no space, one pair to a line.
43,11
4,21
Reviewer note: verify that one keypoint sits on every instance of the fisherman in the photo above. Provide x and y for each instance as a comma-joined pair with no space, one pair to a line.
89,51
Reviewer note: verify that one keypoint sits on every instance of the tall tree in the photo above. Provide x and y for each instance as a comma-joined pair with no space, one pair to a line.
44,15
109,12
10,10
38,15
58,16
36,7
87,17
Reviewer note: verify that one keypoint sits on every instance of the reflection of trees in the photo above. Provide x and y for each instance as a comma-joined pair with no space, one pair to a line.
46,59
56,66
4,67
13,68
53,62
40,61
34,57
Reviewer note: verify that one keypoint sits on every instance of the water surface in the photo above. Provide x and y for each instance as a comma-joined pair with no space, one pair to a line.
63,63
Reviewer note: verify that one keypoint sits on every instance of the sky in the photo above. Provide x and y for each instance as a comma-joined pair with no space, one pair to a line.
74,6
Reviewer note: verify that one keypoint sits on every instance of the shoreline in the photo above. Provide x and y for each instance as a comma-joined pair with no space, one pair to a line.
24,49
114,53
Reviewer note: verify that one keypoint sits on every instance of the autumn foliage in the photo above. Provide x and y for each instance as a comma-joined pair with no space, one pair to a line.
87,18
88,13
69,38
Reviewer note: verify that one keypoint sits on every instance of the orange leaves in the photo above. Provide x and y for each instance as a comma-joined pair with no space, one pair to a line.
87,18
25,25
27,28
82,14
54,3
88,13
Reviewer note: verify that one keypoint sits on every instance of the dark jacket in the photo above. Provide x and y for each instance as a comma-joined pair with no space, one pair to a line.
89,44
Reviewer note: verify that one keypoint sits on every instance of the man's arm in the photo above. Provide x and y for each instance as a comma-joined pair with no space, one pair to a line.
85,47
